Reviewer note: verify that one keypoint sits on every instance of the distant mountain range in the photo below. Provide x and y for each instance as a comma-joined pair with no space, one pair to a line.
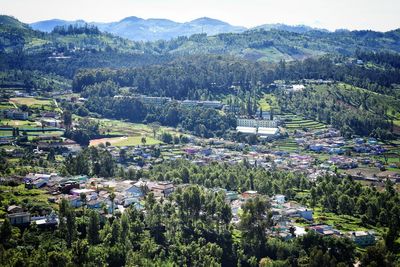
139,29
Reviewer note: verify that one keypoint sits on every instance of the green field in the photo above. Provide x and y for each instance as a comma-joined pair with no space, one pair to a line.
288,144
123,133
117,127
5,105
39,103
20,123
137,140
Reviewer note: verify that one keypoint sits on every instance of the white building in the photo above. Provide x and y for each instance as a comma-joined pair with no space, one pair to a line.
154,100
246,130
267,132
16,115
256,123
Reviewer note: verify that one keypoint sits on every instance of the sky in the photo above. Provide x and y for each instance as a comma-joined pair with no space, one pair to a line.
381,15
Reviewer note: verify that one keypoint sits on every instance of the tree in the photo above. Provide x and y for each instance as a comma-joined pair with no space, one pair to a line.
122,155
143,140
82,197
52,155
80,249
155,126
67,119
376,256
253,225
112,197
345,204
58,259
5,231
166,138
71,232
93,228
185,175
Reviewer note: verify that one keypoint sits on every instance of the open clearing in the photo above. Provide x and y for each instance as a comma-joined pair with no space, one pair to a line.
38,103
30,101
267,102
20,123
124,141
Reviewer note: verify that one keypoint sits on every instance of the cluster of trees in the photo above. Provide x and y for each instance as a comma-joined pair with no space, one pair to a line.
204,122
388,59
192,228
344,196
76,29
33,80
240,177
91,161
379,80
183,78
85,130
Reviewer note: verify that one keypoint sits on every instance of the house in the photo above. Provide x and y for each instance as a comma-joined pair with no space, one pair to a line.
389,175
39,183
37,180
49,114
305,213
134,191
16,115
20,218
94,204
51,122
74,201
280,199
231,196
162,189
78,192
14,209
129,201
49,221
363,238
249,194
325,230
316,147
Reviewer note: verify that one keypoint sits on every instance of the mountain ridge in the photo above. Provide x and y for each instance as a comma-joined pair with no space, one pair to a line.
152,29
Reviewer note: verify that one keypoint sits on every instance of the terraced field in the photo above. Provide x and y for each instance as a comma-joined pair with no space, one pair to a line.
293,122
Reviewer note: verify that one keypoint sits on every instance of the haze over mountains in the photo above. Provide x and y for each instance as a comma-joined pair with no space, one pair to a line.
139,29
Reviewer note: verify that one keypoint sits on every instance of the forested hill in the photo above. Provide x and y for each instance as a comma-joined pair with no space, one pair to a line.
67,49
275,45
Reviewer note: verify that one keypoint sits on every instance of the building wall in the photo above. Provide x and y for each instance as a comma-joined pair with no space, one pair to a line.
256,123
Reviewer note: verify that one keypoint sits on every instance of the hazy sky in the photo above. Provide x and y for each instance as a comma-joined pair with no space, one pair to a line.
331,14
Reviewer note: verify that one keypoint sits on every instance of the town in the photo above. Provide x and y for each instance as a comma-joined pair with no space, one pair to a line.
152,142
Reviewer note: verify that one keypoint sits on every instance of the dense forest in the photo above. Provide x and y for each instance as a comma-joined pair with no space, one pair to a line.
181,78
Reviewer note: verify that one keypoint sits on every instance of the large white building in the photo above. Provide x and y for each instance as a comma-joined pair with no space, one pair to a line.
154,100
262,128
256,123
198,103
